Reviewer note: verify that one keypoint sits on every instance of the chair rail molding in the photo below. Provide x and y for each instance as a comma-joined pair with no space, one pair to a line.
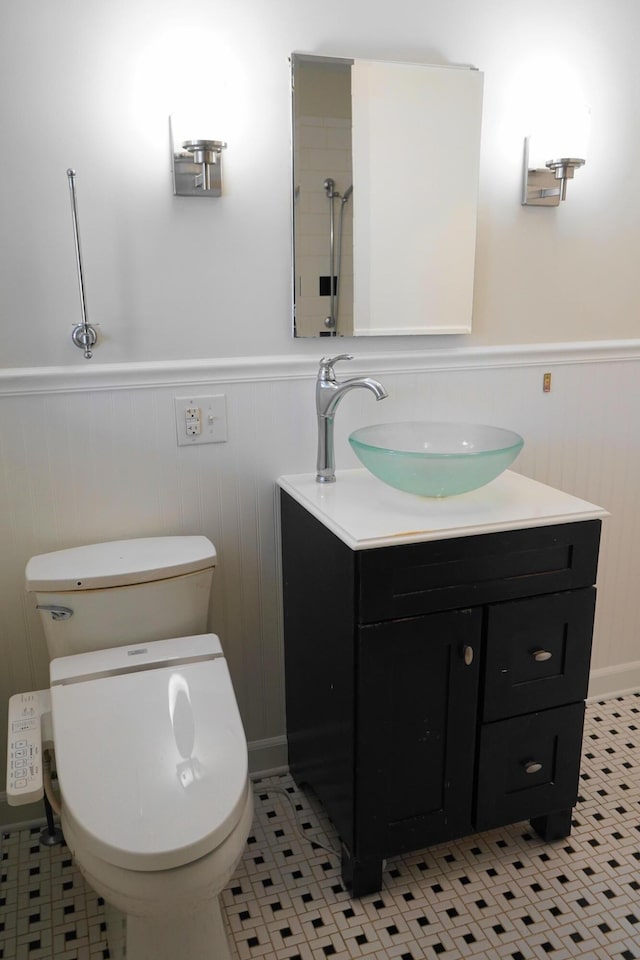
32,380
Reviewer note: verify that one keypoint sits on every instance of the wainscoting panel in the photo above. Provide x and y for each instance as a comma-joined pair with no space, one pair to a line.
93,456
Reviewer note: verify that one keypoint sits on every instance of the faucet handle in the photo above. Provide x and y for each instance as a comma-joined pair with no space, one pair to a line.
326,366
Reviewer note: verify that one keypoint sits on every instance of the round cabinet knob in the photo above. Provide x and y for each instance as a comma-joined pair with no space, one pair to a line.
541,655
468,655
532,766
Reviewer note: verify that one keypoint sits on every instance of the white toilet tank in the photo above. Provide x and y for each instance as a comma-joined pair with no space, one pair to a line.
122,592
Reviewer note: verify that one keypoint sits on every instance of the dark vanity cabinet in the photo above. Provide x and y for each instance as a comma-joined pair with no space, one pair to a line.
436,689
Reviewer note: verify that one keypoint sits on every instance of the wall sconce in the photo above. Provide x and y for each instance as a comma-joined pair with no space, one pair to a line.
546,187
197,167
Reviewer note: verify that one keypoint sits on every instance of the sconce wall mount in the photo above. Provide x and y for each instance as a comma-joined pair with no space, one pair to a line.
197,167
546,187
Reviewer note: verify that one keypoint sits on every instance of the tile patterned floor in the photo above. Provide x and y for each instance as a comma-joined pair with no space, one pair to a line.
501,894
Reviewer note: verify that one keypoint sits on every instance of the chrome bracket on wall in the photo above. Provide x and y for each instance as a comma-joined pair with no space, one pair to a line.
547,186
539,187
197,167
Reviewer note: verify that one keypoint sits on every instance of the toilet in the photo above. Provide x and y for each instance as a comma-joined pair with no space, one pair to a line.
150,753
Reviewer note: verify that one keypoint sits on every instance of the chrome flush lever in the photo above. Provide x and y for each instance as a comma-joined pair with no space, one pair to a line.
57,612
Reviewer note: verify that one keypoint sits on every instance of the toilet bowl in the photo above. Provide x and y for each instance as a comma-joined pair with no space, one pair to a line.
150,752
169,913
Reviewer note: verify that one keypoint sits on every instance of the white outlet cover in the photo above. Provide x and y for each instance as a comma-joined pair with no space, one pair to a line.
213,417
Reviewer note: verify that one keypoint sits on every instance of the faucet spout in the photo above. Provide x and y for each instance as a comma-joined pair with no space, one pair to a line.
329,393
330,398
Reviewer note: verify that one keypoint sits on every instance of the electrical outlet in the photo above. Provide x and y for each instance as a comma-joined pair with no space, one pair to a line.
193,421
201,419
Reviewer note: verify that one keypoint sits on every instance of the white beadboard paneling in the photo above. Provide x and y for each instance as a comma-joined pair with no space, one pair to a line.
92,455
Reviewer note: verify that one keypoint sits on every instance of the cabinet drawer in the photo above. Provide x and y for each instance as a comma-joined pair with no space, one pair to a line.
528,766
413,579
537,653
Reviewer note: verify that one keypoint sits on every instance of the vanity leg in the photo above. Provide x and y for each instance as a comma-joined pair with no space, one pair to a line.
361,875
553,826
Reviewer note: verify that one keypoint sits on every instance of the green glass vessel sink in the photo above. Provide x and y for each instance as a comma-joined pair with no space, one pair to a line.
435,459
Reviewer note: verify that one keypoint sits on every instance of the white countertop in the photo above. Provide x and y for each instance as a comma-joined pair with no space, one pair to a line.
366,513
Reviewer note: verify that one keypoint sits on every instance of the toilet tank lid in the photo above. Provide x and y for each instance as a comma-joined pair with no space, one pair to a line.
119,563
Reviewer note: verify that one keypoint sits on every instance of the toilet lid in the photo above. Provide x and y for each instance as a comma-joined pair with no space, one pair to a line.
150,750
118,563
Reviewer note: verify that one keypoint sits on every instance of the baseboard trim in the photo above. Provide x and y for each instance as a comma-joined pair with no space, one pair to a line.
268,757
617,681
20,818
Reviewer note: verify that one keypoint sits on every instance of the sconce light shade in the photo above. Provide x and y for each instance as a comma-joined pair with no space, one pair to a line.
197,168
546,187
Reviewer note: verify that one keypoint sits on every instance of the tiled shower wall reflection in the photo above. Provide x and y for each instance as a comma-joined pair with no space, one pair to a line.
324,151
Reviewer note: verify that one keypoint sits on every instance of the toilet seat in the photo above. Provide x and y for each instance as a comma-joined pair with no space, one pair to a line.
150,750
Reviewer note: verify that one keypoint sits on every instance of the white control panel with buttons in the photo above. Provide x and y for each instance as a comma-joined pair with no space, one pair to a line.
24,749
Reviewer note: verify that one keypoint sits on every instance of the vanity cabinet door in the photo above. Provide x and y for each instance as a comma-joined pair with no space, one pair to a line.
417,690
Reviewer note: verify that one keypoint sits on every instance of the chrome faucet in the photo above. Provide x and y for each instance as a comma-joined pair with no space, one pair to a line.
329,393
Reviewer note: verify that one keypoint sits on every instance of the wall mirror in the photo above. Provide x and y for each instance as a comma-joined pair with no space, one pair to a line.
385,189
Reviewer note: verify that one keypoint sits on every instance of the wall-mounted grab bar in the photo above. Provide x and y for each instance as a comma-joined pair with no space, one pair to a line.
83,334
